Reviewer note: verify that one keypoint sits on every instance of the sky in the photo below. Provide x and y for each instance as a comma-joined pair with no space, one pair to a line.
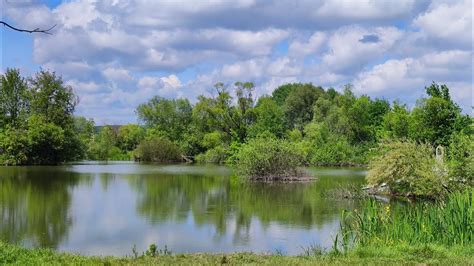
118,54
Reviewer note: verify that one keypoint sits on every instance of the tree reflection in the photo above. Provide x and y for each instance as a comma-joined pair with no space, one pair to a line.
219,201
34,205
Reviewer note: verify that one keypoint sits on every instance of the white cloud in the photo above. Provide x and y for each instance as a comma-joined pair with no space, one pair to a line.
451,22
365,9
119,53
347,52
406,78
117,74
313,45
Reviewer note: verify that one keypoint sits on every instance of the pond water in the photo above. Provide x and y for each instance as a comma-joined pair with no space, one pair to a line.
106,208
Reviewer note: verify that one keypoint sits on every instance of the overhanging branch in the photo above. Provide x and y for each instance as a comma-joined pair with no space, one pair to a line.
37,30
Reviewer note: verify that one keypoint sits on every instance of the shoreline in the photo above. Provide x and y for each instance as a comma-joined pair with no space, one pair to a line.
371,255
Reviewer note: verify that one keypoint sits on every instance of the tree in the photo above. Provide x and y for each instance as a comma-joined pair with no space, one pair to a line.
434,118
269,117
85,130
171,116
299,103
51,98
14,98
395,123
280,94
103,144
46,142
129,136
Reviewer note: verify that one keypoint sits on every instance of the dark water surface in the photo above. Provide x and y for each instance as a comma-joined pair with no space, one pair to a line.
104,209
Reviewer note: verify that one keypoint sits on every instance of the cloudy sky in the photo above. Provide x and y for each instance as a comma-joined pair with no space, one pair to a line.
117,54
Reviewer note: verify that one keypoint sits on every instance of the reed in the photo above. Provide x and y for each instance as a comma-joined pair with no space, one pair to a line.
448,222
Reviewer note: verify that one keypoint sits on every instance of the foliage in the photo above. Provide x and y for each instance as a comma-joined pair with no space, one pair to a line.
37,125
42,111
269,158
46,141
407,168
388,225
129,136
268,117
461,158
170,116
436,118
395,123
102,145
299,103
217,154
13,146
14,98
158,150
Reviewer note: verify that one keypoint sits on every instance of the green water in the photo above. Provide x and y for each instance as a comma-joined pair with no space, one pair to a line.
105,209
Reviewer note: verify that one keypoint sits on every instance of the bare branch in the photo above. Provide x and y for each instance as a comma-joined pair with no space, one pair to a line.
37,30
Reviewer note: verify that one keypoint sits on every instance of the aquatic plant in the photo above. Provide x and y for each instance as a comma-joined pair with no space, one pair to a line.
449,222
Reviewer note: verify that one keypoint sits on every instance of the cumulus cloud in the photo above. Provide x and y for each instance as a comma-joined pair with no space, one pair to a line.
450,22
406,78
117,54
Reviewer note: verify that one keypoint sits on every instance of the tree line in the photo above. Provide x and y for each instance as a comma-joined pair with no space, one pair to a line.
38,126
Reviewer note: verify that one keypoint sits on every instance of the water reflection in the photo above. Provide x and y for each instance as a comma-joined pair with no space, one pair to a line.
107,208
34,204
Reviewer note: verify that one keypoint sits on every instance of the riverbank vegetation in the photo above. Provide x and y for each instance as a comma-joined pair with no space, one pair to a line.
316,126
370,255
448,222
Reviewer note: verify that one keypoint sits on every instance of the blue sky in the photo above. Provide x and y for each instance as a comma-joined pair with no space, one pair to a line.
118,54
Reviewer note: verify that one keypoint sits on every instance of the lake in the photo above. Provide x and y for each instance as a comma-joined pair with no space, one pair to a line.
98,208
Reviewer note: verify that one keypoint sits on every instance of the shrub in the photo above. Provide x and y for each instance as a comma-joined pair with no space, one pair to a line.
13,146
158,150
408,169
461,158
269,158
217,154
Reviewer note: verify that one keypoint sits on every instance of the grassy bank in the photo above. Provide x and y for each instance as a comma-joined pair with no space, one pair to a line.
372,255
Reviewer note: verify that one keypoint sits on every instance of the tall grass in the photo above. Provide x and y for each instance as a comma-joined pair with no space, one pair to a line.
450,222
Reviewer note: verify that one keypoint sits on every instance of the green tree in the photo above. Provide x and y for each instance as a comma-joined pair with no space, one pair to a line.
172,116
395,123
46,142
434,118
298,106
268,117
52,99
129,136
85,130
103,144
14,98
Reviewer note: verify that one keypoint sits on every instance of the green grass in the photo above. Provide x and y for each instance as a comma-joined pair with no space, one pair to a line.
369,255
449,222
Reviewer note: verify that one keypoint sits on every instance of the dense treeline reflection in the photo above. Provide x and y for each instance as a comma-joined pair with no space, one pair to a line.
220,200
34,205
101,207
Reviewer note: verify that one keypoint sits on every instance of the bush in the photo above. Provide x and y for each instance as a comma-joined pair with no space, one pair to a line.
461,158
217,154
158,150
269,158
13,146
408,169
